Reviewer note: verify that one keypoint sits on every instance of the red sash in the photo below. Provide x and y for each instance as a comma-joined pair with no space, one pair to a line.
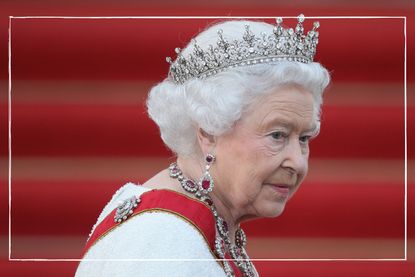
191,210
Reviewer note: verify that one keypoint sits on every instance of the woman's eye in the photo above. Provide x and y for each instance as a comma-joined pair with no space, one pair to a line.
277,135
305,139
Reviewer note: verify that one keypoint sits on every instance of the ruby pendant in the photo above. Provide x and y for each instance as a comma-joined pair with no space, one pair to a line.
206,184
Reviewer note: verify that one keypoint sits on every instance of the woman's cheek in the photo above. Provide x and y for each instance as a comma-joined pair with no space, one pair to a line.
270,148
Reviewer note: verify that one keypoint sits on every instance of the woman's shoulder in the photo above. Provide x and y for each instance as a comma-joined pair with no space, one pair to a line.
164,225
160,200
151,244
152,235
127,190
135,205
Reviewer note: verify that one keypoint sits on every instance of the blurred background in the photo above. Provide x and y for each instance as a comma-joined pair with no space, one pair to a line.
79,131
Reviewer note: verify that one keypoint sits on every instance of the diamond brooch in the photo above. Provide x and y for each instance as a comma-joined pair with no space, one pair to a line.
126,208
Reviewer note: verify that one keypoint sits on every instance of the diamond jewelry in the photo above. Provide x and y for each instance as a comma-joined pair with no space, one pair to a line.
283,44
222,242
126,208
187,184
206,183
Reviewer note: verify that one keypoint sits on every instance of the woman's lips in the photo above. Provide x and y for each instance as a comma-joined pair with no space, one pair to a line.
283,190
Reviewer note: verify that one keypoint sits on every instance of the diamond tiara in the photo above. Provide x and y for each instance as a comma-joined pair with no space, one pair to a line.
283,44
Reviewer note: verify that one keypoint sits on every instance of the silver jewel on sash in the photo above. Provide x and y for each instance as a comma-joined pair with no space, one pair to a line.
126,208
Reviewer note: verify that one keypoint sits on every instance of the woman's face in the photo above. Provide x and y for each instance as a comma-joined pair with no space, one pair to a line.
261,163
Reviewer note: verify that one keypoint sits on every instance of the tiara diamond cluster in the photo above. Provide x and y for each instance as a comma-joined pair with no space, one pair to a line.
283,44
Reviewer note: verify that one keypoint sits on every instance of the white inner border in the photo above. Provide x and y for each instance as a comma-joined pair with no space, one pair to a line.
210,17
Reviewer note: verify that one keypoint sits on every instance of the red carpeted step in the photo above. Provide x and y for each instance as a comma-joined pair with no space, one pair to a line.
133,48
331,210
36,268
102,130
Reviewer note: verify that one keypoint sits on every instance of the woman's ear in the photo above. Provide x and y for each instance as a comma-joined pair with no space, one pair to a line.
206,141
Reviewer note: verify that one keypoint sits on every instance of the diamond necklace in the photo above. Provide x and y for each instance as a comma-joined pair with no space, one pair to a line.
222,242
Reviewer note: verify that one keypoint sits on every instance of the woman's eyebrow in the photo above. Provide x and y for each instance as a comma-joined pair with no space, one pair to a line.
276,121
286,123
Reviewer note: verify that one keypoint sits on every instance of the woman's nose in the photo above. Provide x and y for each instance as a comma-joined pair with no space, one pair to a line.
295,157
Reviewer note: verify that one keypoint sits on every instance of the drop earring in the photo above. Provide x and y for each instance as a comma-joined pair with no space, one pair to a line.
206,183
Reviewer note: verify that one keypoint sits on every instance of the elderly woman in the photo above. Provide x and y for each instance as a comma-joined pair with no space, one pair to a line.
239,108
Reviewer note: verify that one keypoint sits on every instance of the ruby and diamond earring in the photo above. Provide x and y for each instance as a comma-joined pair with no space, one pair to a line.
206,183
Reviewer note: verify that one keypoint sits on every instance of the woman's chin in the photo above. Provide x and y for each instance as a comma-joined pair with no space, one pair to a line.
273,211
